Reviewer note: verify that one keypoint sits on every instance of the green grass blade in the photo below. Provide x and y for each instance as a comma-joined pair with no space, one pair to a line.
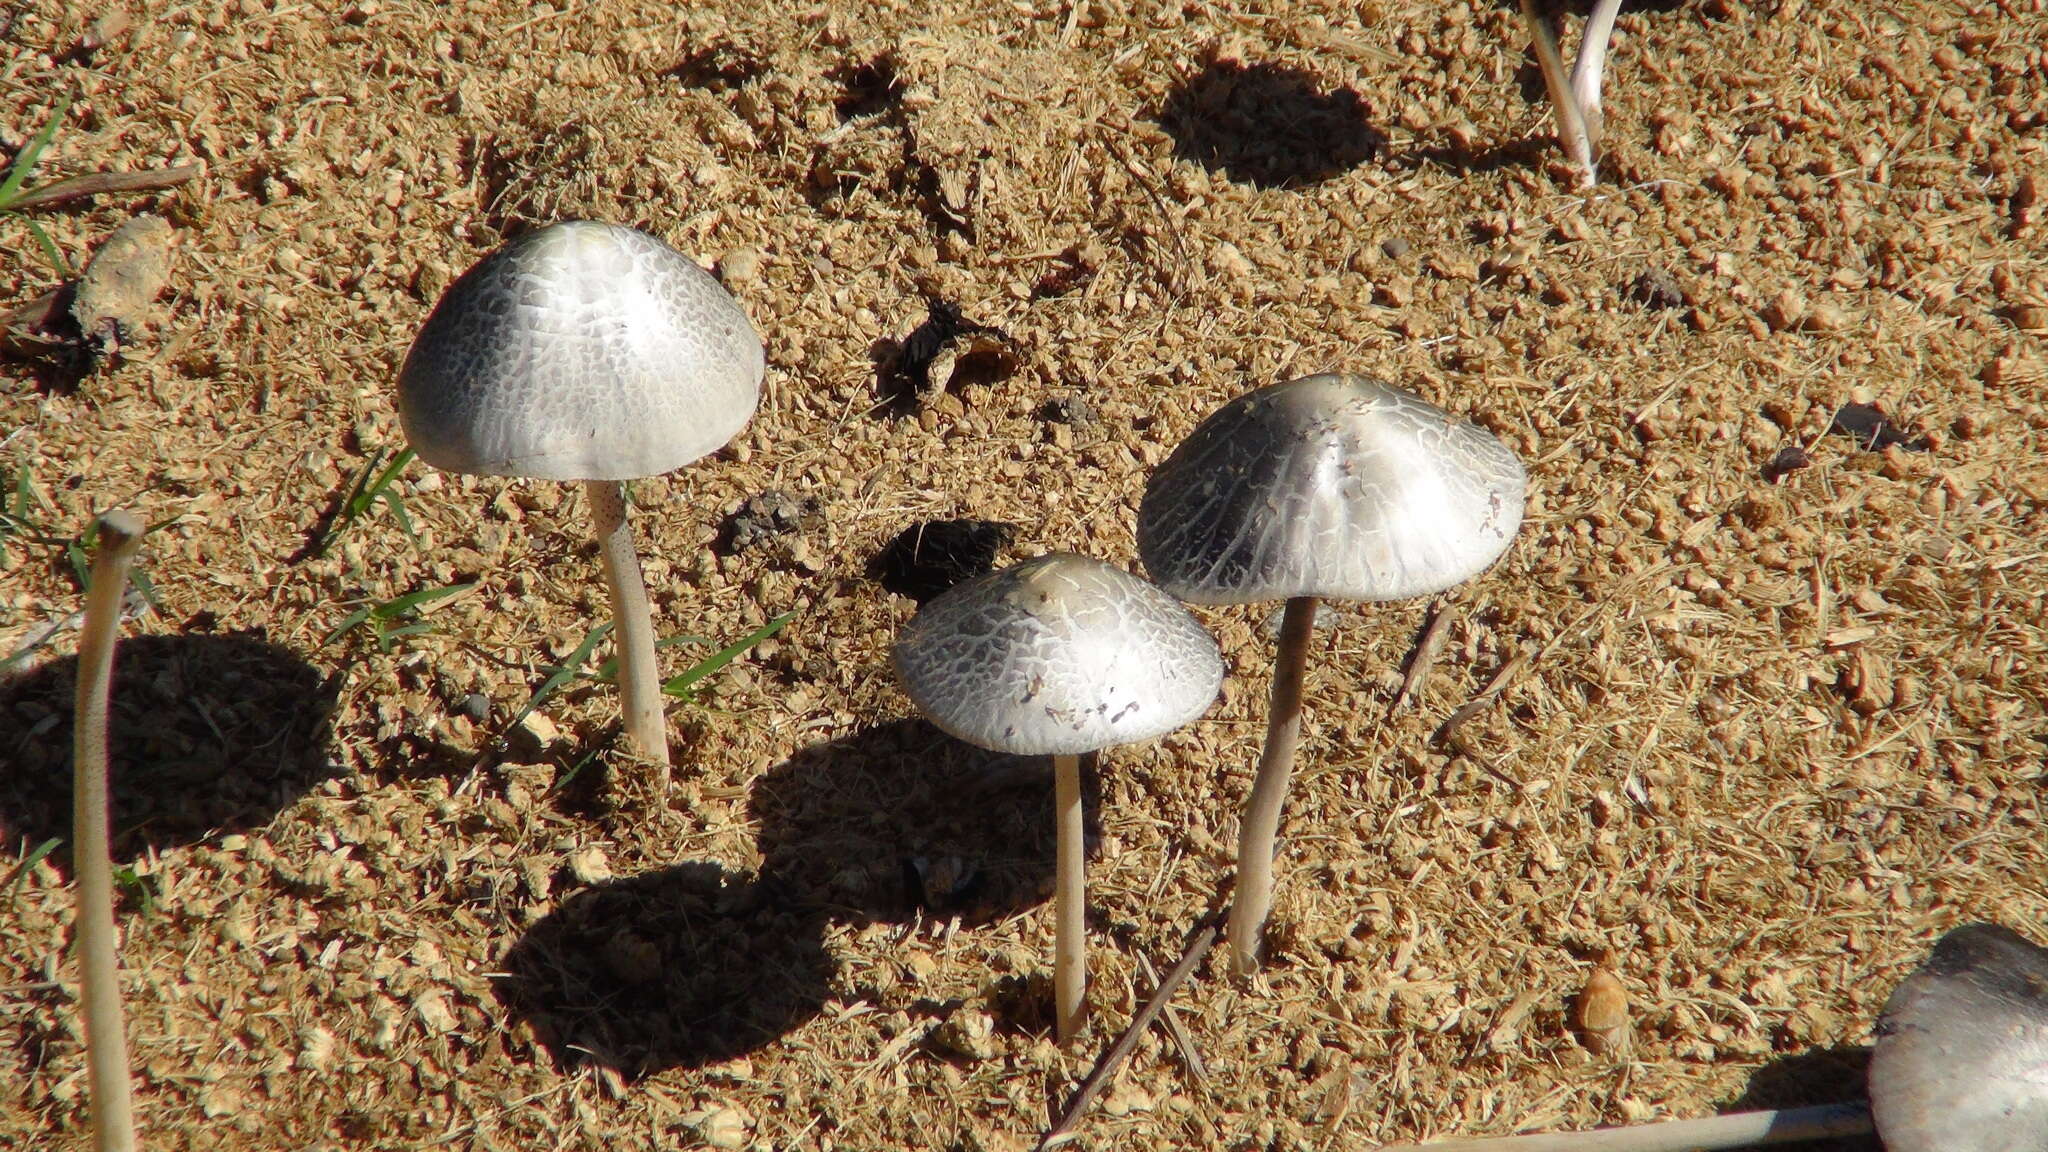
357,501
17,172
50,249
679,685
398,606
558,677
347,625
28,865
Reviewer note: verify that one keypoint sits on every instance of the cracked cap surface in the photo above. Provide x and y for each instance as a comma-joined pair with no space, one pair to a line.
580,351
1961,1062
1058,654
1335,486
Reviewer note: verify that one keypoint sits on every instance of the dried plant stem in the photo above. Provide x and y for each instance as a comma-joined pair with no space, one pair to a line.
1572,133
1260,828
106,1041
1198,947
633,632
1591,64
1070,902
1740,1130
101,183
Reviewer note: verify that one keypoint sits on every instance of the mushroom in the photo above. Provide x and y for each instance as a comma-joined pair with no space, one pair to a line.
1961,1065
1576,97
1962,1048
589,352
99,988
1059,655
1327,486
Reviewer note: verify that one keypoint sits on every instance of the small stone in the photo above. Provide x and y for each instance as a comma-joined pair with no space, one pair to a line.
1395,247
724,1127
740,266
589,866
1602,1014
969,1034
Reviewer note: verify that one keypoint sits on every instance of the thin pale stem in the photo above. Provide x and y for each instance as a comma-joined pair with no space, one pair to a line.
1591,63
1070,902
633,627
1572,135
1739,1130
1260,829
106,1040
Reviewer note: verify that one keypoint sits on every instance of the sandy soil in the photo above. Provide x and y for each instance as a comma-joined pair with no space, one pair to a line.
1763,732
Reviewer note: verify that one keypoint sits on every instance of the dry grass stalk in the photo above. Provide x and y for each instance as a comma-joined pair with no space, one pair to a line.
1198,947
1740,1130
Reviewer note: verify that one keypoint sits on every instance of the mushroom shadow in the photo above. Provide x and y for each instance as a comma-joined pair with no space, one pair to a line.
1820,1076
902,820
931,556
1267,125
207,734
682,967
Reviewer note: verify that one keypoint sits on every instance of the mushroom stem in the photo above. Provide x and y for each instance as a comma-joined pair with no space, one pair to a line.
1739,1130
1572,133
1261,825
633,632
1070,901
1591,63
113,1106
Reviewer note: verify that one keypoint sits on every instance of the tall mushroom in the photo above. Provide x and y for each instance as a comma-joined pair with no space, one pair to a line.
590,352
99,986
1327,486
1060,655
1961,1066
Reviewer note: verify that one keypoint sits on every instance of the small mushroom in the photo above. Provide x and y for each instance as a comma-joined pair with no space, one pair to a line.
1327,486
589,352
1962,1048
1060,655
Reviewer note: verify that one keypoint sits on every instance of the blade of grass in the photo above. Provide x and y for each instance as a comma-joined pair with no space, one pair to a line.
28,864
50,249
17,172
679,685
556,678
607,672
398,606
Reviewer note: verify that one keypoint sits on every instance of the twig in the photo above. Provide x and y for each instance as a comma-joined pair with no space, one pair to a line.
1740,1130
102,183
1477,704
1189,1054
1198,947
1426,649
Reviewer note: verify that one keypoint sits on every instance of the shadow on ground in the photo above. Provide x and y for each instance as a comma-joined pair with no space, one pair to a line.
902,820
208,734
1267,125
693,965
682,967
1821,1076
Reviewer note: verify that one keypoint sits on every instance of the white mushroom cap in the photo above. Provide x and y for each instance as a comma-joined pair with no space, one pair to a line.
1059,654
1961,1063
1335,486
580,351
